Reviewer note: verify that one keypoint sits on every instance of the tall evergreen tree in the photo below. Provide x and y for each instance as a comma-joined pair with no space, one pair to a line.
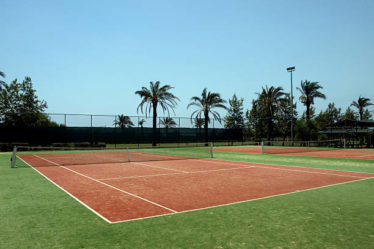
328,117
235,116
20,106
2,83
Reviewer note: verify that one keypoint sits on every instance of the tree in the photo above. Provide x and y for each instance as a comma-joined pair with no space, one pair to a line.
198,122
20,106
309,91
206,104
2,83
284,115
256,121
234,118
141,123
152,97
367,115
269,100
361,104
123,121
168,122
327,118
350,114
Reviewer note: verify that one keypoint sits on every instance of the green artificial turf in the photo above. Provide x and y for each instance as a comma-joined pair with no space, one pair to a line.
36,214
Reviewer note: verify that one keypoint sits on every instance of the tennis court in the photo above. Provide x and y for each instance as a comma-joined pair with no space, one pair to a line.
154,184
300,151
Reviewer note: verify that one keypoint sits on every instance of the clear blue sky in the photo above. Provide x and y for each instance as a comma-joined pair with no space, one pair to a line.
91,56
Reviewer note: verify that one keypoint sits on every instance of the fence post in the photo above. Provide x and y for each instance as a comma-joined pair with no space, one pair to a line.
211,149
13,159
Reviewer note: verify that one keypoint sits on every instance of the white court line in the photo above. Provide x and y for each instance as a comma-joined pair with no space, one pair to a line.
238,202
181,173
67,192
259,165
158,167
192,210
108,185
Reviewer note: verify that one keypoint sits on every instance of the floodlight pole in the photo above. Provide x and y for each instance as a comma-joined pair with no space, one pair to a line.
291,69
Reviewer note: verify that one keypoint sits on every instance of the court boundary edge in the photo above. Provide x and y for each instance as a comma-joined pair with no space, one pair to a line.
67,192
239,202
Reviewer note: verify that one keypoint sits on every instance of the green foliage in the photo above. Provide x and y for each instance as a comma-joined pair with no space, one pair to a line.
350,114
305,129
198,122
284,116
20,106
256,121
156,95
2,83
235,116
366,115
361,103
152,97
168,122
123,121
205,105
268,102
309,91
327,118
141,122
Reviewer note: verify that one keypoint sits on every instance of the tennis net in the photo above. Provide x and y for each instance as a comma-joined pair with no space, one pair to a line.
24,156
289,147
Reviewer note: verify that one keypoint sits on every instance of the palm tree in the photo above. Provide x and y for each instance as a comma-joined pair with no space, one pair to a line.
198,122
206,103
269,100
361,104
2,83
123,121
168,122
141,123
309,91
154,96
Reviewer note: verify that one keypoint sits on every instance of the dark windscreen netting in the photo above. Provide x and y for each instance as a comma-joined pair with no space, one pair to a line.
95,135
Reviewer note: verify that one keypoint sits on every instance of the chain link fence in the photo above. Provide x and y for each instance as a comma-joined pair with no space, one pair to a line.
91,120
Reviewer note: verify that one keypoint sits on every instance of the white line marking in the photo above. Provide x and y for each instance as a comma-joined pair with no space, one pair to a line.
181,173
269,166
216,206
158,167
67,192
108,185
238,202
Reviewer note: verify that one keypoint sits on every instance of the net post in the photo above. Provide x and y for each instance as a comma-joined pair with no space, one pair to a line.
211,149
345,143
262,147
13,158
128,154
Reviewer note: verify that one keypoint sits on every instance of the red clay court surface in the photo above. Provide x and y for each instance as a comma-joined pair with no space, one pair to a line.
120,192
335,153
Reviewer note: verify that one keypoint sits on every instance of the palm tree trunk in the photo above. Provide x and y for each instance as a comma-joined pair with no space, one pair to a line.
269,130
307,112
206,116
154,130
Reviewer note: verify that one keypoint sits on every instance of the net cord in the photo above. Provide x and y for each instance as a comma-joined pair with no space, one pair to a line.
263,144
